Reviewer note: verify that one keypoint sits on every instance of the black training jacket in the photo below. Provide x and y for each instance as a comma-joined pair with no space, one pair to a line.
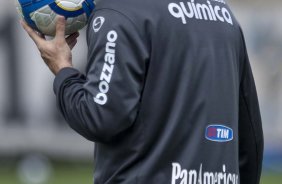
168,96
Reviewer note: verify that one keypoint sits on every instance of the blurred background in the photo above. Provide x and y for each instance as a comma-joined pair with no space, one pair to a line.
36,145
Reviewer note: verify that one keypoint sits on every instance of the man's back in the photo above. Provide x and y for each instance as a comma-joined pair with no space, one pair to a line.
166,77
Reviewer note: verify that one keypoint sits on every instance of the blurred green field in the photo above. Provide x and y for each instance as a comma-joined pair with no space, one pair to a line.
271,178
62,173
74,173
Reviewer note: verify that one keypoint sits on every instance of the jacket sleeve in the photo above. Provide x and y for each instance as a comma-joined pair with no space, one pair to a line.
251,141
105,102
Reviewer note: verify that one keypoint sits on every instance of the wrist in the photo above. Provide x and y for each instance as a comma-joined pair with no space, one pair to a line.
60,67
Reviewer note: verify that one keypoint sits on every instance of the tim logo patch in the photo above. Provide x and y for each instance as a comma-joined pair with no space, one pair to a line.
219,133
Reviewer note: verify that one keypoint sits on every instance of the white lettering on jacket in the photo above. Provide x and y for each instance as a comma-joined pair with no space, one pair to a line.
208,12
184,176
109,60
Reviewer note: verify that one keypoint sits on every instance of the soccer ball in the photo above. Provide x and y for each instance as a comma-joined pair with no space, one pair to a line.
41,14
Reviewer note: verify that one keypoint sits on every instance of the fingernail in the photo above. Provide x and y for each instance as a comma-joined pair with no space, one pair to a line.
62,18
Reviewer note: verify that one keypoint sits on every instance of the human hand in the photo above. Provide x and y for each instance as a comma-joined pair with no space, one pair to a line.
56,53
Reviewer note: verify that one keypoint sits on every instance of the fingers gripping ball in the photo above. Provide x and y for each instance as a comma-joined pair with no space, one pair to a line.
41,14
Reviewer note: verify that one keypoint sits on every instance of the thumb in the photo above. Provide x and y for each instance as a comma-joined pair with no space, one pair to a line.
60,28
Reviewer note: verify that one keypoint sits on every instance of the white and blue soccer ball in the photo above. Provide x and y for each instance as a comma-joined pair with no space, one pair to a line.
41,14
